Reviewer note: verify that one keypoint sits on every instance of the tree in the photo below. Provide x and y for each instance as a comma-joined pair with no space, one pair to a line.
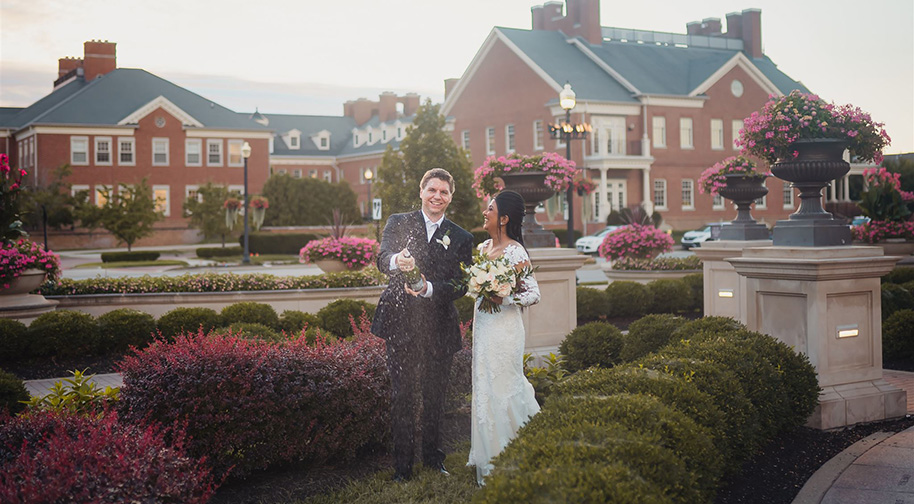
427,145
128,214
904,166
206,212
307,201
55,199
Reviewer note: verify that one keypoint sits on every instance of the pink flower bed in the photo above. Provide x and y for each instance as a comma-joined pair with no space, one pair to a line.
353,252
635,241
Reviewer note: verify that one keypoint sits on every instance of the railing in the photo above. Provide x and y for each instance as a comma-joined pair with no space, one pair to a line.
652,37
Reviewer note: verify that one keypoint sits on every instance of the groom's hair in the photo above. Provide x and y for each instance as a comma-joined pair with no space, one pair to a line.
438,173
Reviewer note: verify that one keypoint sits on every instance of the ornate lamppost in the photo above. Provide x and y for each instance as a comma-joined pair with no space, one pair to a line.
566,132
246,153
369,176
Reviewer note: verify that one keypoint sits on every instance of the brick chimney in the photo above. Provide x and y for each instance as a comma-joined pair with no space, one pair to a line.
410,103
99,58
67,65
752,32
745,25
387,106
360,110
734,25
581,20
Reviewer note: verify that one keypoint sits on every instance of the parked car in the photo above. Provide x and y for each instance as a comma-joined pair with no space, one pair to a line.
695,238
858,221
591,243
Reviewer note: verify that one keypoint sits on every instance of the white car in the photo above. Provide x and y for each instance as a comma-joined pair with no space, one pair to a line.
695,238
591,243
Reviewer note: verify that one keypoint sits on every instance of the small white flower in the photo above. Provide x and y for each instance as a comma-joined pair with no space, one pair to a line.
445,242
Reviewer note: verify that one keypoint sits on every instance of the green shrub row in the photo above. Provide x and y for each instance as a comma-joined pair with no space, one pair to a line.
129,256
212,282
899,275
277,243
896,297
208,252
626,299
699,398
69,333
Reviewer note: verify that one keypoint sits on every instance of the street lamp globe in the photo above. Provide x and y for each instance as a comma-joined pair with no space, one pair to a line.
246,150
368,174
566,97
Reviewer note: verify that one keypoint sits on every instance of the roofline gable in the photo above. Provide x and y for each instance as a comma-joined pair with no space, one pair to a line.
738,60
494,35
604,66
164,103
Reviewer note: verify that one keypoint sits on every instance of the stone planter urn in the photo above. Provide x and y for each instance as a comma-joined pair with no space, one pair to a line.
743,189
333,266
532,186
17,303
26,282
819,161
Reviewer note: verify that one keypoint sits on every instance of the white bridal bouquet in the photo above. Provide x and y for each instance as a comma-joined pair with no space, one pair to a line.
492,277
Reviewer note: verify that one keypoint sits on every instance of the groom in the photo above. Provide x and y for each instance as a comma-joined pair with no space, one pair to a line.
421,328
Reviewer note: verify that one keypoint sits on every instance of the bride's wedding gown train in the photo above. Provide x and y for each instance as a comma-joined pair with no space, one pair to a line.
503,399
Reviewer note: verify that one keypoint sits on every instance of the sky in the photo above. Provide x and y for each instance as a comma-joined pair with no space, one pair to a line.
309,57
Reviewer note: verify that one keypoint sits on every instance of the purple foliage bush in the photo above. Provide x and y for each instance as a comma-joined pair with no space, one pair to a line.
248,404
48,457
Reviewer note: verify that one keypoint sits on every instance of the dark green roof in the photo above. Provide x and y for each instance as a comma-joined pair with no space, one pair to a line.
340,129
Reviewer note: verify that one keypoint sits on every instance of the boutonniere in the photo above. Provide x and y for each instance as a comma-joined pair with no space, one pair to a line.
445,241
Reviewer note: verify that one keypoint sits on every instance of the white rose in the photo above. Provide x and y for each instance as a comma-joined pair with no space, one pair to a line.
504,289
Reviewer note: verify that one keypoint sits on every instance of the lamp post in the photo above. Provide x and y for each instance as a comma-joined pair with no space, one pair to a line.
369,176
567,132
246,153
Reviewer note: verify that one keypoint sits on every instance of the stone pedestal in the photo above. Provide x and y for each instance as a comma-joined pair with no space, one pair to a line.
826,303
548,322
724,288
25,307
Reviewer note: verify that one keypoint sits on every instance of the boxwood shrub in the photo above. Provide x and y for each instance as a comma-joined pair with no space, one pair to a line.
669,296
466,308
648,334
185,319
251,312
119,329
628,299
64,333
253,330
248,404
898,336
899,275
277,243
12,392
592,305
14,343
210,252
292,322
337,317
48,457
696,283
592,344
894,298
136,255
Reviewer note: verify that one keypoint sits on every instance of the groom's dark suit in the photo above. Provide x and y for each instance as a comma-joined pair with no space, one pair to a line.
422,333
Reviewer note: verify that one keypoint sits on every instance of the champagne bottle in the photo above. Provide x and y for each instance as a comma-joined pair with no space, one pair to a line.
414,276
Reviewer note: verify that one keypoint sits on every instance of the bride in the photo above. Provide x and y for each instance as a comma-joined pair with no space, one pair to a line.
503,399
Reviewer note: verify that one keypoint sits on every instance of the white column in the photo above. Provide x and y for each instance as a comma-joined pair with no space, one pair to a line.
604,200
647,196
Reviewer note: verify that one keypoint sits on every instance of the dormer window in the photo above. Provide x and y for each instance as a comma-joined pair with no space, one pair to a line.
321,140
370,137
325,143
383,135
292,139
293,142
355,140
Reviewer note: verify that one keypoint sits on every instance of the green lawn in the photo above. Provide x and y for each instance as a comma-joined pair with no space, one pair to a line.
132,264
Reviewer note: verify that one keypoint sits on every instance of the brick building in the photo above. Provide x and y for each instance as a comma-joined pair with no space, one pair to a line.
120,125
663,106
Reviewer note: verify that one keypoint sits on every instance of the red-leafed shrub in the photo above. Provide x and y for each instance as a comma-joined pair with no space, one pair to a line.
52,457
248,404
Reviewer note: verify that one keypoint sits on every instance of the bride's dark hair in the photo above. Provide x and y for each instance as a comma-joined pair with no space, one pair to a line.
511,205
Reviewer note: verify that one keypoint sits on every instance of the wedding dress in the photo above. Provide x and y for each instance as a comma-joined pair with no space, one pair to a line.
503,399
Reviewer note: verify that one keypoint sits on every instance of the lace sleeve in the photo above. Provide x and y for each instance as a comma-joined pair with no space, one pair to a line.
528,292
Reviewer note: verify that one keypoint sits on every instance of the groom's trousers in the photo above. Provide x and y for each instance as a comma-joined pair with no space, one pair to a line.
416,369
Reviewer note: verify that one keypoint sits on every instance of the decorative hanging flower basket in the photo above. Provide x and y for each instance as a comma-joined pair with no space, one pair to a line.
259,207
232,208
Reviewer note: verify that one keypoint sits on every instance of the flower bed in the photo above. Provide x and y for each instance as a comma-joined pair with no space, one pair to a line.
658,264
784,120
560,172
212,282
635,241
353,252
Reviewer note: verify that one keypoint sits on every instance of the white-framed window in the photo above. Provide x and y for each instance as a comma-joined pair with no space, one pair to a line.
608,136
399,132
325,143
78,188
312,173
160,152
126,151
465,135
193,152
293,142
355,140
788,196
282,171
660,194
103,151
658,127
538,134
370,137
762,203
717,202
490,140
79,150
237,190
384,135
100,198
328,176
509,138
688,194
735,126
686,135
234,153
162,197
214,152
296,173
717,134
559,143
192,191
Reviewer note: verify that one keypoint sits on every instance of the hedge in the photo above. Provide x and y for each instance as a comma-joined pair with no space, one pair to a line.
209,252
898,336
277,243
140,255
593,344
628,299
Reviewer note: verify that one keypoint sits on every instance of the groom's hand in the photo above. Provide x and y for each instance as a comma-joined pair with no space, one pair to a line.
405,262
417,293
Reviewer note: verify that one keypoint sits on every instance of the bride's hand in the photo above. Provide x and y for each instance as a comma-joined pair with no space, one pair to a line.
497,299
